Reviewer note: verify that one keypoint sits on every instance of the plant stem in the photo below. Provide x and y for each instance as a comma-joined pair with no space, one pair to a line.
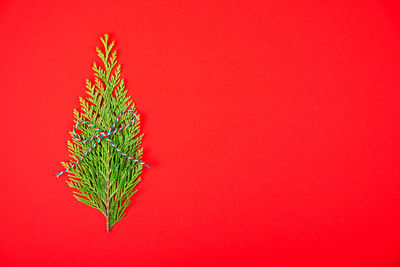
108,194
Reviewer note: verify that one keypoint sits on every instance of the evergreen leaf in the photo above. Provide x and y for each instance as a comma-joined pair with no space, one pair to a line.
104,179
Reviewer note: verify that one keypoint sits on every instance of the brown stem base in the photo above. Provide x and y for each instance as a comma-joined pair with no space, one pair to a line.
108,208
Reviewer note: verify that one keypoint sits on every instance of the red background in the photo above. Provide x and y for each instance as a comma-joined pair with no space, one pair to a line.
271,128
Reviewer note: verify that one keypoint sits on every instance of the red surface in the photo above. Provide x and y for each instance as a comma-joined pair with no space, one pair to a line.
272,129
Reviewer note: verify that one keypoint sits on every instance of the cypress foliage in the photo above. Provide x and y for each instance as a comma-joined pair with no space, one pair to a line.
104,178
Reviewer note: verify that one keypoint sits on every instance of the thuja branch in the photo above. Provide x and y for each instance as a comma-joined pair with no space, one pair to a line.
106,149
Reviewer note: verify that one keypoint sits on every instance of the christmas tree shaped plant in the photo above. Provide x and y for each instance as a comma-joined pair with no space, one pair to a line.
106,150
